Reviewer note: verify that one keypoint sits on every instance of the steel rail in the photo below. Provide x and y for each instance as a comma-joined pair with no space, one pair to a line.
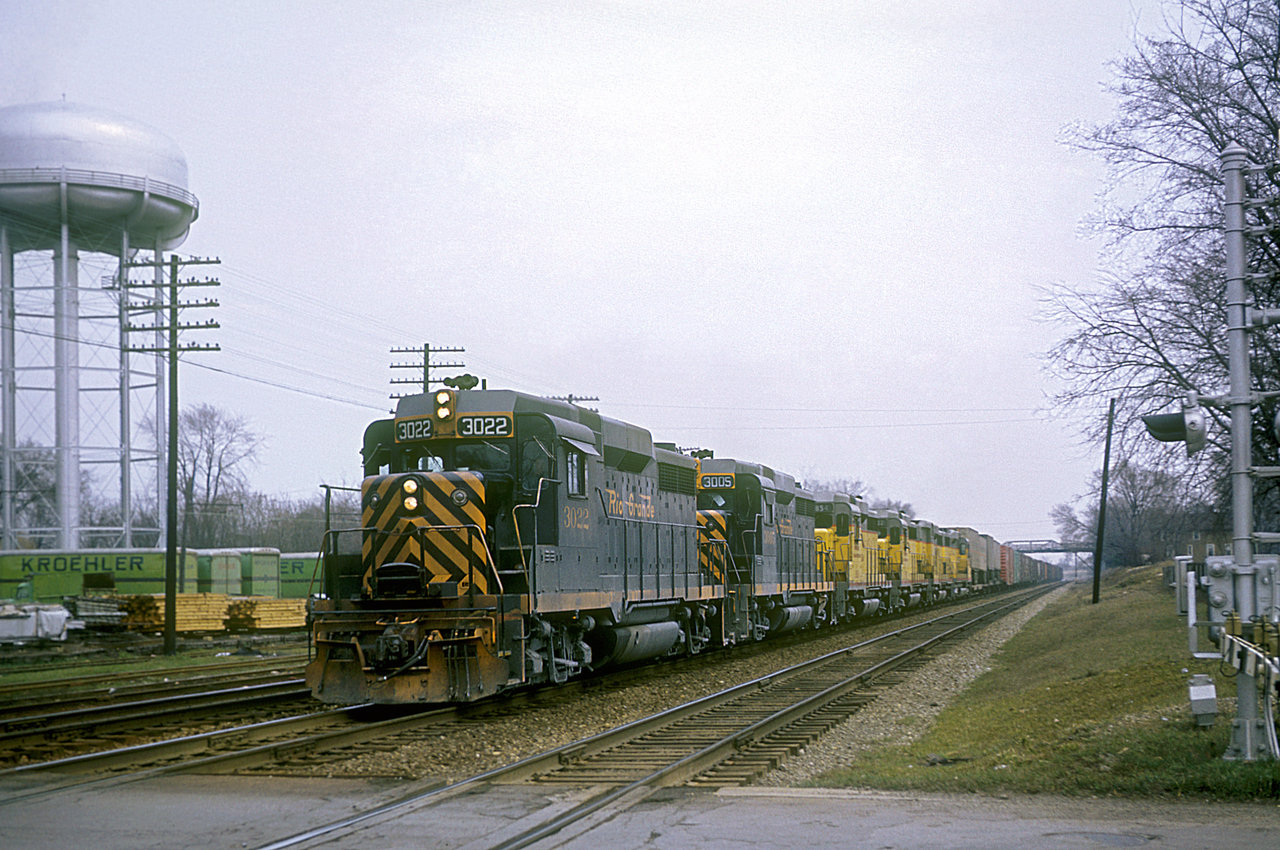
200,743
214,667
69,700
27,727
694,763
272,751
149,753
630,793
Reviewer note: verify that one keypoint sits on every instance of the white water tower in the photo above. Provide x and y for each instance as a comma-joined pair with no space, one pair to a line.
81,189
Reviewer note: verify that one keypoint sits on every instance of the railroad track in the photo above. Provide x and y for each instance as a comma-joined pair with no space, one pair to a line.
222,751
728,738
293,744
107,653
34,735
309,741
64,694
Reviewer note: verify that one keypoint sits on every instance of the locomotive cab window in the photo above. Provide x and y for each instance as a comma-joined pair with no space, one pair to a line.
536,463
576,473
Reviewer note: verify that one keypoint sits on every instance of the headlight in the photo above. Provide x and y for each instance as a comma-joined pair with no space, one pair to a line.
410,503
444,404
411,486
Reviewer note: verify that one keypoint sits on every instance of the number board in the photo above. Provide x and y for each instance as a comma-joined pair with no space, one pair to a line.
411,430
484,425
716,481
468,426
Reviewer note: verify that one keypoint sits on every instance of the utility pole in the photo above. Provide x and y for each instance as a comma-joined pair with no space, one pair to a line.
425,366
574,399
166,321
1102,506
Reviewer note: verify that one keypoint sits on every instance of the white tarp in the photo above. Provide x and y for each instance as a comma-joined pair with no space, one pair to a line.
33,622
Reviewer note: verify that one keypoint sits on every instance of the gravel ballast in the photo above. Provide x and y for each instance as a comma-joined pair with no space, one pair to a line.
905,712
535,727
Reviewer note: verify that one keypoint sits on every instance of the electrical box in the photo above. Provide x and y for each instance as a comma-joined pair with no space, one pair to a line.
1204,699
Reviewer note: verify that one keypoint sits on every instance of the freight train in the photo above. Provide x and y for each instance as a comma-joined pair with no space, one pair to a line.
508,540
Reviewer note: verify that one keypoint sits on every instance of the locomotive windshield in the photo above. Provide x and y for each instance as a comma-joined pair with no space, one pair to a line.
454,456
481,457
712,501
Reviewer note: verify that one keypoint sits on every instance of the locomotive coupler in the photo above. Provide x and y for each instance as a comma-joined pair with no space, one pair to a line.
394,646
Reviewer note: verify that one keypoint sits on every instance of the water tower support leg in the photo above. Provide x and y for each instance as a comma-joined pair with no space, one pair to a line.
8,390
66,355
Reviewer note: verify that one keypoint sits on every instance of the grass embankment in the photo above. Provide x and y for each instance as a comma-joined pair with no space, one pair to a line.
1086,700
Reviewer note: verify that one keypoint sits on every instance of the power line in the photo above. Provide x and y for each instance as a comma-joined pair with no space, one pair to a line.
292,389
792,427
739,408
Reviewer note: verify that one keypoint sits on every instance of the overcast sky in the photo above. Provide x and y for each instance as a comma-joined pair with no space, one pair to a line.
805,234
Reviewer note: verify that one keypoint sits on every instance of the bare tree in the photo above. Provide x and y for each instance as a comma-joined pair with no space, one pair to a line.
1153,329
895,505
1150,516
1072,530
215,449
848,486
34,497
295,525
858,487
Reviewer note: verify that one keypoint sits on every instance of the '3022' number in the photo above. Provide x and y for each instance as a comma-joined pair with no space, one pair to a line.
577,517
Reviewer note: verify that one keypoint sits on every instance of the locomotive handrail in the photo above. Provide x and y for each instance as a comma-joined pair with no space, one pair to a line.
329,543
515,520
339,614
804,554
720,548
315,571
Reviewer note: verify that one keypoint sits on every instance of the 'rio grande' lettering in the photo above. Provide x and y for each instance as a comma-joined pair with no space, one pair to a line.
630,505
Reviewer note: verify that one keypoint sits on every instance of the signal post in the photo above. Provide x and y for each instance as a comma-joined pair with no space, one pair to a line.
1241,591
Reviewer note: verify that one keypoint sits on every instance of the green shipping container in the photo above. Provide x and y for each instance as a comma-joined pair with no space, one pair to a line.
52,574
296,572
225,572
204,572
260,572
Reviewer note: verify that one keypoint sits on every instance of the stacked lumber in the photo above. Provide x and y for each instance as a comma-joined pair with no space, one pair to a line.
261,612
143,612
96,611
194,612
